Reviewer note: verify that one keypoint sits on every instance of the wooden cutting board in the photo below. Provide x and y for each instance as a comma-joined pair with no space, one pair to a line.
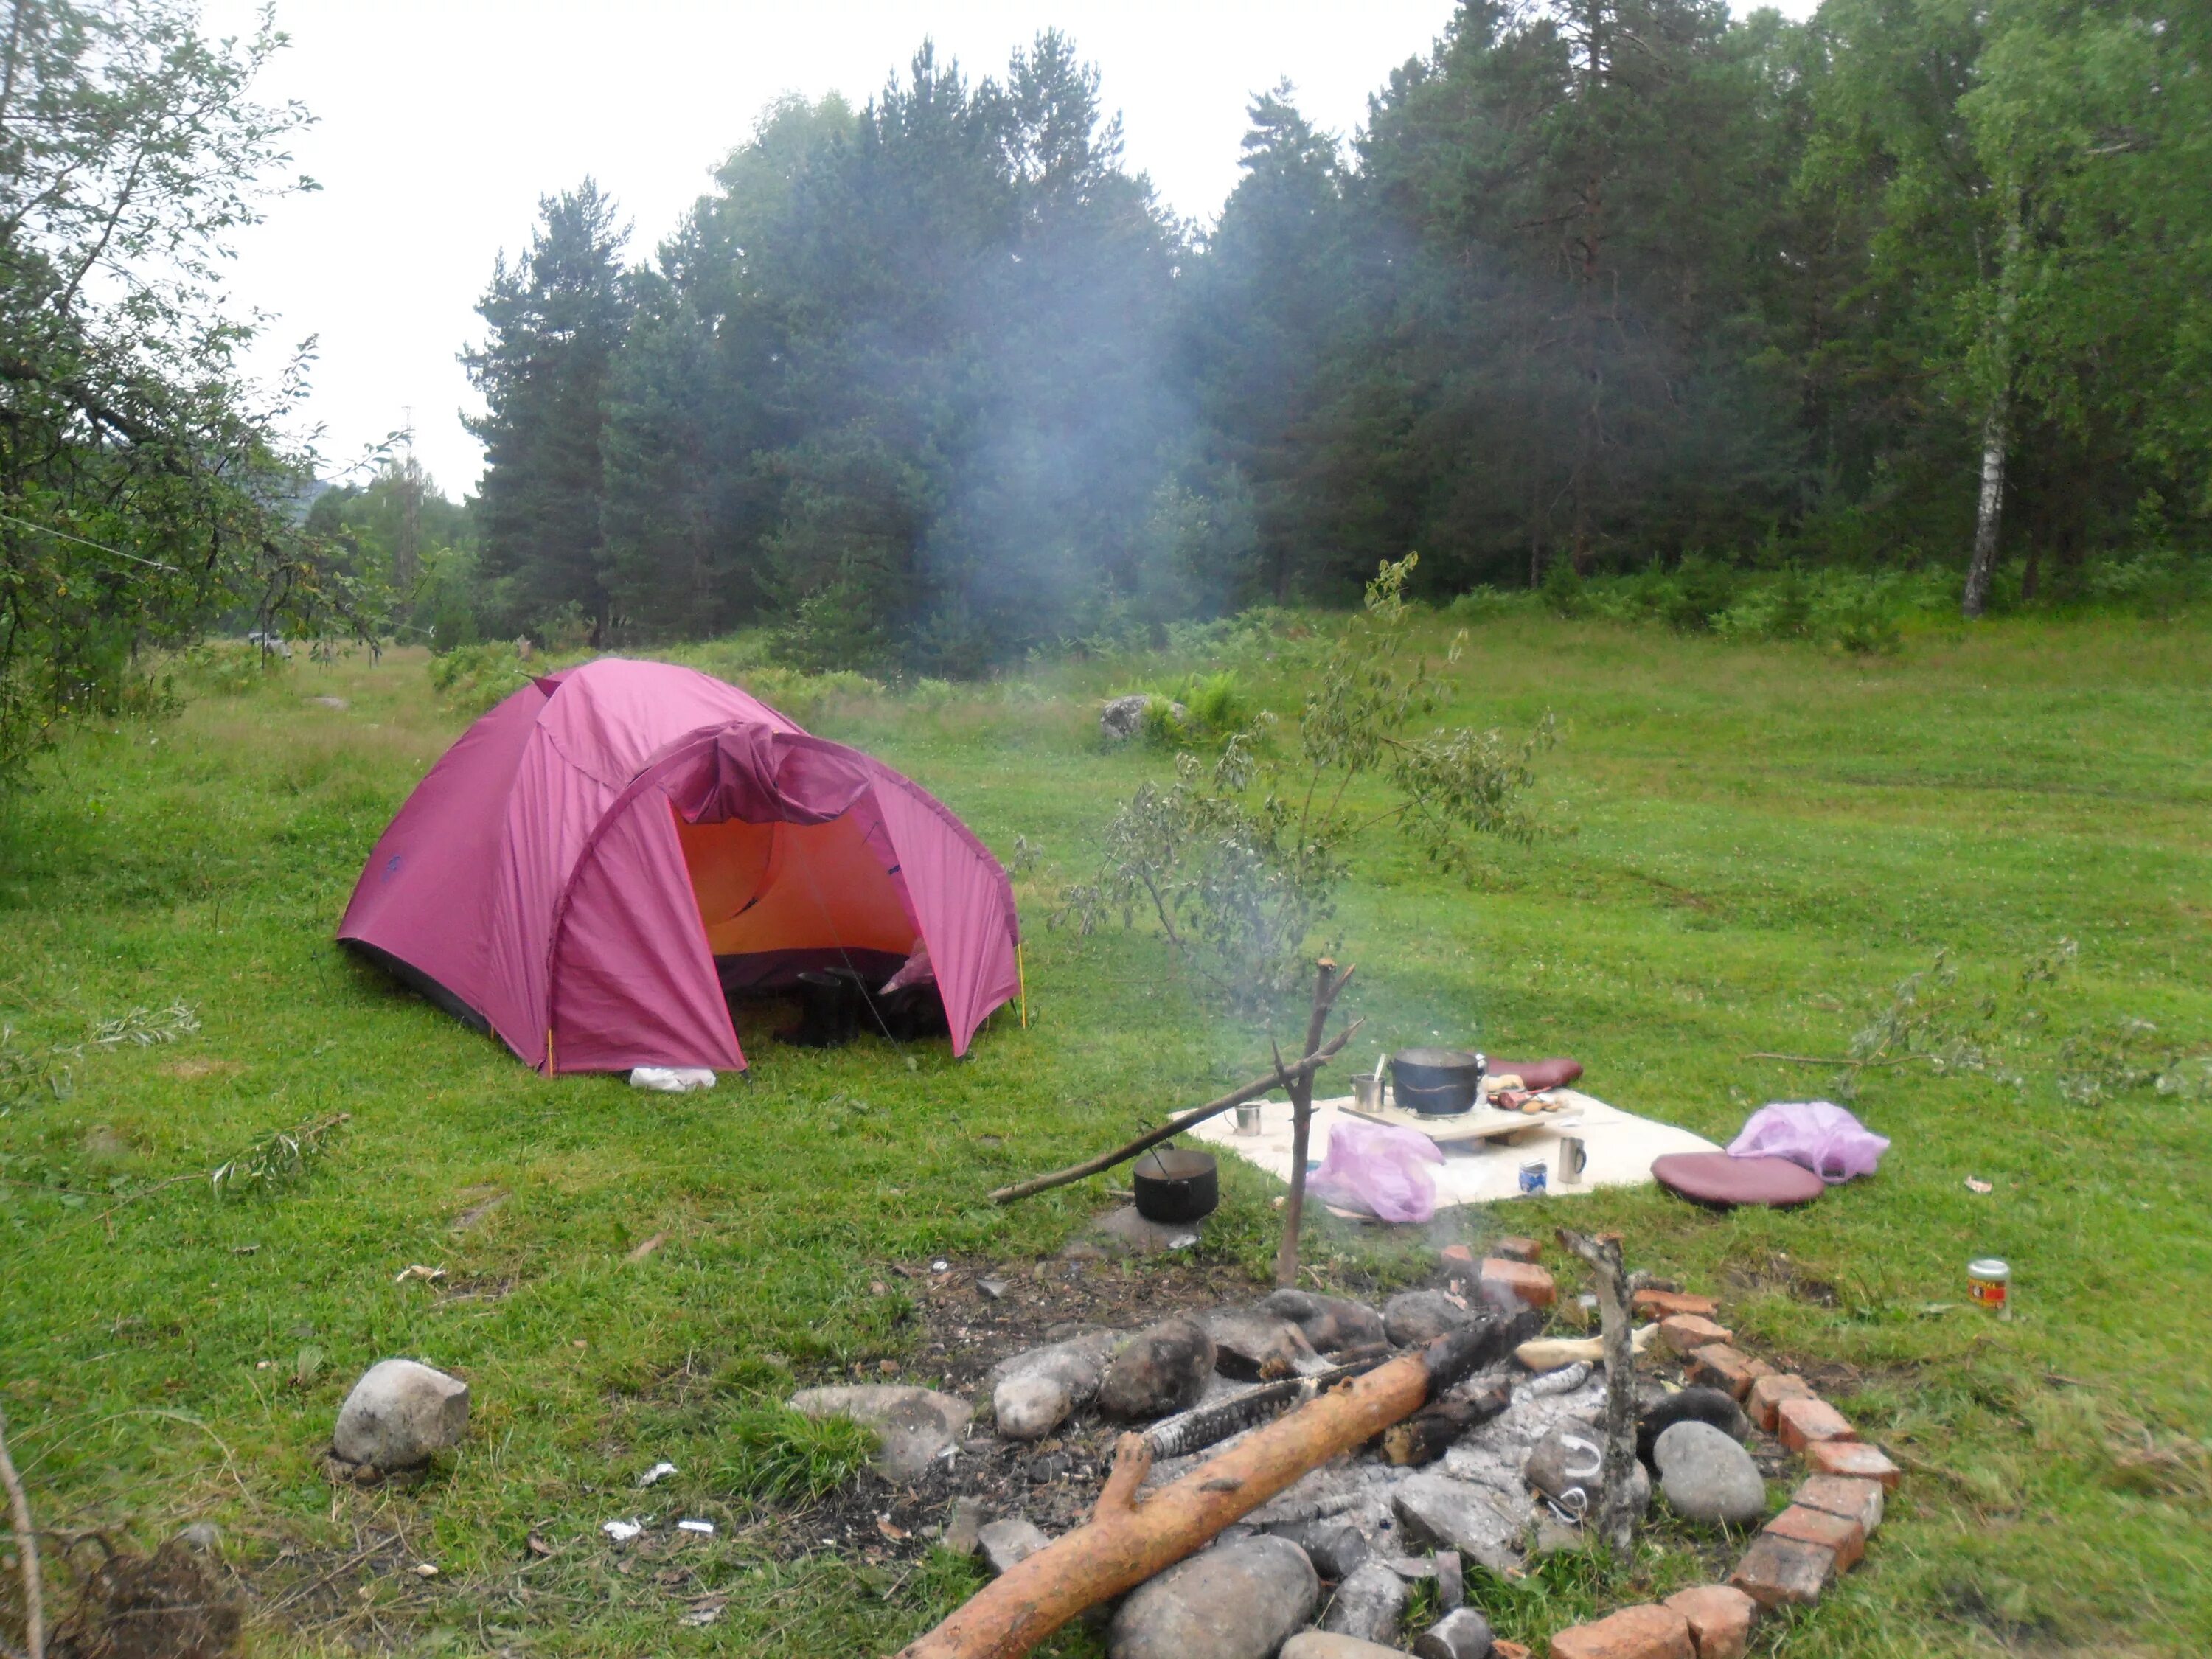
1483,1123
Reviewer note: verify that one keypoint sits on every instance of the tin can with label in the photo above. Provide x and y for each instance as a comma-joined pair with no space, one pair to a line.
1988,1281
1535,1176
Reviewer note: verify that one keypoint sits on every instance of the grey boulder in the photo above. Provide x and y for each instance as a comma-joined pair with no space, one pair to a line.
1005,1542
1697,1405
1243,1600
399,1413
1414,1317
912,1425
1446,1514
1253,1346
1708,1477
1462,1633
1327,1645
1124,717
1162,1369
1331,1323
1368,1604
1034,1393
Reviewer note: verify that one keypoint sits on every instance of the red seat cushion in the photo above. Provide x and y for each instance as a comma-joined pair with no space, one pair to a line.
1715,1178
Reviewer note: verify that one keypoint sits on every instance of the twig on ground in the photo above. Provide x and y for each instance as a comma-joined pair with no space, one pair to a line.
26,1552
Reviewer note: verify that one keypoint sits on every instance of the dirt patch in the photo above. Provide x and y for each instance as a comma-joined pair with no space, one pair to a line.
1777,1275
162,1606
191,1071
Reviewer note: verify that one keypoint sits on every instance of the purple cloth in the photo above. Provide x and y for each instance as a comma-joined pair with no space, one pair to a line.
535,872
1377,1168
1817,1134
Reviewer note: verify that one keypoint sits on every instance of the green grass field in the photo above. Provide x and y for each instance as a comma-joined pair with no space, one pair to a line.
1764,840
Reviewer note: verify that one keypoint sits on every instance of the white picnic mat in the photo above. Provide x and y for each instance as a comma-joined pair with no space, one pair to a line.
1621,1147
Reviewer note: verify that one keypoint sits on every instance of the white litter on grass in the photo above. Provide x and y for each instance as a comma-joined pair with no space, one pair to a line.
672,1079
658,1472
704,1528
621,1531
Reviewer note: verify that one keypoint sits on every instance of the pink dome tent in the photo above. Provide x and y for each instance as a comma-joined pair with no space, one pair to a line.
597,860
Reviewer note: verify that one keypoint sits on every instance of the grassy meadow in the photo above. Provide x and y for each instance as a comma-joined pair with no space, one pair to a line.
1753,844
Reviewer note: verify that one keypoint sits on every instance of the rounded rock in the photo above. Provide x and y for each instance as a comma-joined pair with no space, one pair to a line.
1708,1477
1243,1600
398,1415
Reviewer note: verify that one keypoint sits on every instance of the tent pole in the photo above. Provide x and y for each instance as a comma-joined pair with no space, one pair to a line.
1022,979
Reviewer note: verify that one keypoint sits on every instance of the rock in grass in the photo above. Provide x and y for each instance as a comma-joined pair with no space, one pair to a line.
1331,1323
1253,1346
1713,1406
1005,1542
1162,1369
1462,1633
1413,1317
1708,1477
912,1425
398,1415
1243,1600
1368,1604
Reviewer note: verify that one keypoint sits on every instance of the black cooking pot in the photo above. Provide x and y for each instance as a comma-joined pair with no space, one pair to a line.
1175,1186
1436,1082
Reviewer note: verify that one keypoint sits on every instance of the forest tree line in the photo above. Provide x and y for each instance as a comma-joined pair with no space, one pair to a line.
938,381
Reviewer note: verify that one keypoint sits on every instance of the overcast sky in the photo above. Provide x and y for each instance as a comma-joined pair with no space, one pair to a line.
440,125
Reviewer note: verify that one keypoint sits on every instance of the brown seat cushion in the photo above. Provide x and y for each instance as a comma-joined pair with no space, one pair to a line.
1715,1178
1537,1074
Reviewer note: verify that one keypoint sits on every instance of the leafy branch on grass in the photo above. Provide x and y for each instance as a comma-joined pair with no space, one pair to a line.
1930,1020
271,1163
1236,863
26,1073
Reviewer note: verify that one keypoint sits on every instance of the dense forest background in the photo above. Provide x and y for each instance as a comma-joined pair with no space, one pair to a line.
1601,286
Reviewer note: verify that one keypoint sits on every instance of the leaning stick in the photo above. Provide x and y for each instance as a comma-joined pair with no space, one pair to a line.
26,1551
1129,1538
1280,1078
1326,983
1615,1518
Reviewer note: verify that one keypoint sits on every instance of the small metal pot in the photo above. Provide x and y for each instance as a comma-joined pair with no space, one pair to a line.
1174,1186
1436,1082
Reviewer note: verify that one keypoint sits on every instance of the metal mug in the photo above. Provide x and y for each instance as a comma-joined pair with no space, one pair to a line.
1247,1120
1574,1160
1367,1091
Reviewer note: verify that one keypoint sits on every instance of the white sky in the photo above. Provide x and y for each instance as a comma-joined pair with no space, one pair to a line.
440,125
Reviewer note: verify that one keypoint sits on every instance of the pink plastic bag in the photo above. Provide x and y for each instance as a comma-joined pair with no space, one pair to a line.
1817,1134
1376,1168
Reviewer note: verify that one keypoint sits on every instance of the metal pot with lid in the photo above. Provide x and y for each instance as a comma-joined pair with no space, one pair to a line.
1437,1082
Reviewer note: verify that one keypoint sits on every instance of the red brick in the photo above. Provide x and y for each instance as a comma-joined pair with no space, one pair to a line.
1720,1620
1684,1333
1801,1422
1632,1633
1837,1494
1849,1457
1519,1281
1660,1303
1502,1648
1770,1391
1783,1572
1456,1259
1516,1249
1845,1538
1720,1366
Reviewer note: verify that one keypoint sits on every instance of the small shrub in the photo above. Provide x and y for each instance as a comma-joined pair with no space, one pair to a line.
228,668
778,1456
472,678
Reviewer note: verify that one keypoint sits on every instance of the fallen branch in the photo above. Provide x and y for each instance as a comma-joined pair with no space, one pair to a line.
26,1552
1616,1518
1129,1538
1550,1353
1431,1431
1280,1078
